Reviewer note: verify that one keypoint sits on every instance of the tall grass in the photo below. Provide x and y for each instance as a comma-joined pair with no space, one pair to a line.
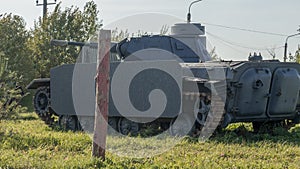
28,143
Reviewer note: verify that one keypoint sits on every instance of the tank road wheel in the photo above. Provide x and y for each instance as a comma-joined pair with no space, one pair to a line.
127,127
41,103
164,126
113,125
68,122
181,127
202,107
47,118
41,100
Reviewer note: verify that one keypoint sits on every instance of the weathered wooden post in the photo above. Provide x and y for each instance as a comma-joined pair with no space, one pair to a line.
102,94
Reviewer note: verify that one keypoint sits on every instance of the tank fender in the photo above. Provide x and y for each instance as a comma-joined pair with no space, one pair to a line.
36,83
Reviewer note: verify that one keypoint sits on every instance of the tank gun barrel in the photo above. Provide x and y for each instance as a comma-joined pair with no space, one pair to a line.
55,42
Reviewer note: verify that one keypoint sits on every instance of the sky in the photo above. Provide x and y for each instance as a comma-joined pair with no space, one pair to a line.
272,16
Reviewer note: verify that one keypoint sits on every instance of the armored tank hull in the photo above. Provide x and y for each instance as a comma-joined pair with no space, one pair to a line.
173,85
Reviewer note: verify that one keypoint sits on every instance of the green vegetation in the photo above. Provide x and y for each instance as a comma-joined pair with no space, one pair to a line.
27,54
9,94
3,64
70,24
297,55
14,37
28,143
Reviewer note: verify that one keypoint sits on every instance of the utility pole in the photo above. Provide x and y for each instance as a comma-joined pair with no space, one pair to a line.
286,45
189,15
45,4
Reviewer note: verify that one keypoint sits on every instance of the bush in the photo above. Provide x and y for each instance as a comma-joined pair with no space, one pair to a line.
10,96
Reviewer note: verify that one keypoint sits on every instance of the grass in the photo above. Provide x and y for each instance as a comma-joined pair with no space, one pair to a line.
28,143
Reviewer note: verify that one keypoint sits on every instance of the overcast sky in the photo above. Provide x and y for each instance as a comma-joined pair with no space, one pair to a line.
274,16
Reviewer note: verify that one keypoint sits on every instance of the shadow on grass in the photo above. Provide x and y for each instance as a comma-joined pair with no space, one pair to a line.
239,134
56,128
244,135
27,116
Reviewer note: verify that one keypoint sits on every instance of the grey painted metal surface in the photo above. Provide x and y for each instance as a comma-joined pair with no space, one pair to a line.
284,92
252,92
36,83
61,90
256,90
73,88
133,82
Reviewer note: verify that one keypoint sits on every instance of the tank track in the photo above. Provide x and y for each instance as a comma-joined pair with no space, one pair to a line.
214,118
41,103
216,113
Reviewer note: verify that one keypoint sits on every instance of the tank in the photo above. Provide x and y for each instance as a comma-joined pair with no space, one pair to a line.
258,91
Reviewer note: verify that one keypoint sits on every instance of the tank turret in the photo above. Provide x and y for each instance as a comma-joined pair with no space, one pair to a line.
193,35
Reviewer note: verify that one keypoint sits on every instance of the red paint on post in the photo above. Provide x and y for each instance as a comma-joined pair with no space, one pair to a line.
102,94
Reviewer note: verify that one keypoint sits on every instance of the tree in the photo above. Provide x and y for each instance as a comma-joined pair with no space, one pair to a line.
297,55
164,30
117,36
272,52
14,37
16,68
70,24
9,94
213,55
3,65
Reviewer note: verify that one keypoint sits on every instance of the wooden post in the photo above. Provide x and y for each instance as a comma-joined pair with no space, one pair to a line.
102,94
